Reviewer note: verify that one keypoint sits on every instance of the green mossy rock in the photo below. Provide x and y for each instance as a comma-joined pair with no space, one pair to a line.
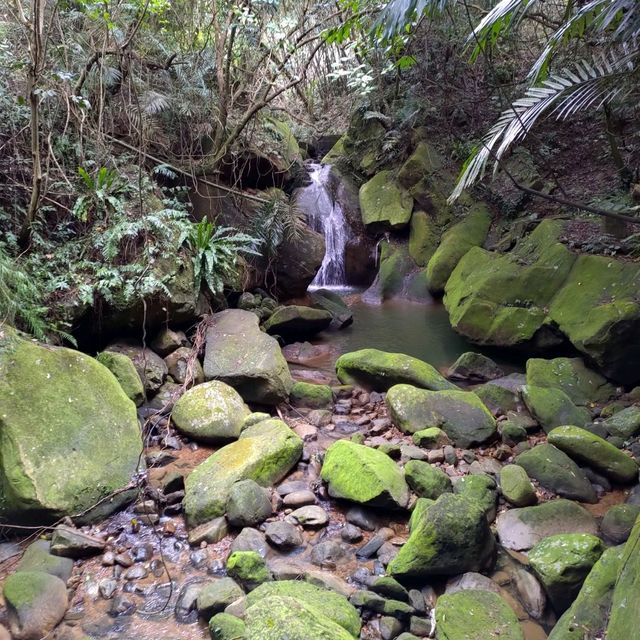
497,398
481,491
295,322
215,596
625,423
617,524
333,303
38,557
553,408
247,359
211,412
384,204
516,486
311,396
460,414
419,511
588,448
425,480
125,372
298,262
224,626
248,568
336,152
431,438
475,615
475,367
449,537
588,614
424,161
380,370
248,504
562,563
69,435
570,375
623,622
599,311
500,299
330,604
423,238
265,452
364,475
556,471
456,242
151,368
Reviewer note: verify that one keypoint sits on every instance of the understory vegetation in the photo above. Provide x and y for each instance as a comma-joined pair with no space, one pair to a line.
113,112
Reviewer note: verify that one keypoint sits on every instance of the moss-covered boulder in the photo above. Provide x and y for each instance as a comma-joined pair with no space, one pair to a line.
617,524
311,396
516,486
425,480
214,596
521,529
125,372
330,301
36,603
224,626
330,604
475,367
501,299
450,537
562,563
480,490
295,322
299,259
599,311
456,242
474,614
587,448
460,414
211,412
384,204
553,408
248,568
361,474
380,370
589,612
423,238
265,452
431,438
244,357
624,424
623,622
69,435
571,375
557,472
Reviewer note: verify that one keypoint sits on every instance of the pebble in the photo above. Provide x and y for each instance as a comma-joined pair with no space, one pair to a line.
362,518
123,559
351,533
327,554
435,455
121,606
299,498
283,535
292,487
310,516
108,559
107,588
136,573
450,455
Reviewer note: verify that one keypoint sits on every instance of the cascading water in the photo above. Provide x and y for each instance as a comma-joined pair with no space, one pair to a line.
325,216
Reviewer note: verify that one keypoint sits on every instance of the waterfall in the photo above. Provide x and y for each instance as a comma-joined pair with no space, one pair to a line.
325,216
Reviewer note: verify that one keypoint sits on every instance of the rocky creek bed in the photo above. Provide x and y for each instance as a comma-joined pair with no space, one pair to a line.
391,502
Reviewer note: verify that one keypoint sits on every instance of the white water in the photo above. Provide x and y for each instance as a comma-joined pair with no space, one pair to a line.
325,216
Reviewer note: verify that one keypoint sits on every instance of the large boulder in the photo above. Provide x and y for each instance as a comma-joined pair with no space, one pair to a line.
460,414
556,471
69,435
361,474
449,537
211,412
590,610
553,408
379,370
521,529
562,562
299,259
330,301
571,375
456,242
475,614
502,299
265,452
297,322
384,204
516,486
423,238
244,357
587,448
624,423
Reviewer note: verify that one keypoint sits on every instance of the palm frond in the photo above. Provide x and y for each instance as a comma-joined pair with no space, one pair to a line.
585,86
397,15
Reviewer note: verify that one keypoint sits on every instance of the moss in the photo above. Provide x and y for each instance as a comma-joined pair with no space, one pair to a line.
460,414
248,568
618,522
290,150
380,370
364,475
423,238
590,449
265,452
37,557
424,161
224,626
497,398
468,233
210,412
419,511
425,480
625,423
516,486
431,438
330,604
562,562
553,408
125,372
384,204
395,267
58,406
336,152
481,490
555,471
476,615
311,396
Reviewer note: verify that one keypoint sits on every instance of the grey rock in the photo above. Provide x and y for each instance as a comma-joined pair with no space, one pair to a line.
283,535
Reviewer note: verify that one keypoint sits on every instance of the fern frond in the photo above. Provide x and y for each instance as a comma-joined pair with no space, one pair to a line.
397,15
153,102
